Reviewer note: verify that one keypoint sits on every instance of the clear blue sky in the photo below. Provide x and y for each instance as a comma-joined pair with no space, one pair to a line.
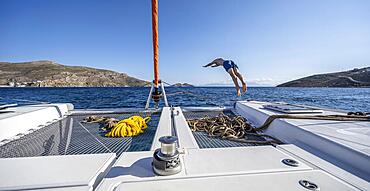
272,41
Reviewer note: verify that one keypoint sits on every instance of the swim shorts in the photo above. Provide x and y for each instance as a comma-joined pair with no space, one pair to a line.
229,64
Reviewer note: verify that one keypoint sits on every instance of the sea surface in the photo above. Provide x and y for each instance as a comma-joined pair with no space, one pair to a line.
349,99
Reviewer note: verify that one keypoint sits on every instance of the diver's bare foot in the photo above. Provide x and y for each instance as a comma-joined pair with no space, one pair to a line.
244,87
238,93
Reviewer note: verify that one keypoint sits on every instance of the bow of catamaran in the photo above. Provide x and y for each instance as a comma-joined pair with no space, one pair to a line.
250,146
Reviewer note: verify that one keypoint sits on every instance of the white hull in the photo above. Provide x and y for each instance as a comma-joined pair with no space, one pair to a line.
333,155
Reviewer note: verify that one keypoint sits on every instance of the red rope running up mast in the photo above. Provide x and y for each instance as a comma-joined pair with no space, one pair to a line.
155,40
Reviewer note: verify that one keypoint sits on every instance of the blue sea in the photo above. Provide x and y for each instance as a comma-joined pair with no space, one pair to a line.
349,99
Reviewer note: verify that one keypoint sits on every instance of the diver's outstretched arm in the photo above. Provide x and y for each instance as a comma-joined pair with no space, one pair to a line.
210,64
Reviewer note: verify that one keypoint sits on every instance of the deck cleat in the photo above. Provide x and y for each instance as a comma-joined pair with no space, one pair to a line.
166,160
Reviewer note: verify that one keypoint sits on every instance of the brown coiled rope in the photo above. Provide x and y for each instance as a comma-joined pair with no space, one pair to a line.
230,128
237,129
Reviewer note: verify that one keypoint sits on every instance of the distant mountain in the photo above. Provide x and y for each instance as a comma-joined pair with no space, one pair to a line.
351,78
51,74
182,85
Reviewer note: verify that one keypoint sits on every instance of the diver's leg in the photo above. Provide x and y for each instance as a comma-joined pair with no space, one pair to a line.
237,73
235,80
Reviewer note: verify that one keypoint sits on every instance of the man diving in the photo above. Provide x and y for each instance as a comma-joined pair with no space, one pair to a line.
233,70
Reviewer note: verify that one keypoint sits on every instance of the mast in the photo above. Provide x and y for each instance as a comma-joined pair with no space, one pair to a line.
154,93
155,40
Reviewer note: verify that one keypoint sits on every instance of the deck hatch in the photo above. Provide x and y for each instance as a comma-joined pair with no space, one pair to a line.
70,137
291,108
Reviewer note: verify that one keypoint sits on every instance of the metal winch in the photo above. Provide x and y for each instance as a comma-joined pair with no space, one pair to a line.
166,160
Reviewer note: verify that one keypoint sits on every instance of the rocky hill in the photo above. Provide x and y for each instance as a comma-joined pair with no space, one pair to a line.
351,78
51,74
182,85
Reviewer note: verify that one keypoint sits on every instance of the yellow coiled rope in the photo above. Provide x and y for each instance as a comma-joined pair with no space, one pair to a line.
129,127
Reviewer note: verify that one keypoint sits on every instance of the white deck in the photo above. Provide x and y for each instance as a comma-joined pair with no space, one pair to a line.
81,172
17,121
256,182
333,141
133,167
238,168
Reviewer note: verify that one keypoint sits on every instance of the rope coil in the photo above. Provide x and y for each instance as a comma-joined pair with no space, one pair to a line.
230,128
129,127
236,128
